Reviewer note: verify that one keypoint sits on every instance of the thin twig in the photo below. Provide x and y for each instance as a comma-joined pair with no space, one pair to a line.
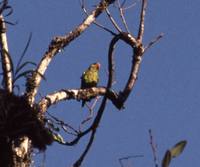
82,3
60,122
142,16
94,103
122,16
153,41
154,148
127,158
93,131
91,108
113,21
80,160
89,117
130,6
123,3
105,28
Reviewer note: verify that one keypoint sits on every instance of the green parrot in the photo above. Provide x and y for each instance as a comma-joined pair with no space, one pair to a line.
90,77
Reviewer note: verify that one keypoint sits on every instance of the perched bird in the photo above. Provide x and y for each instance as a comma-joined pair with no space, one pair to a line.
90,78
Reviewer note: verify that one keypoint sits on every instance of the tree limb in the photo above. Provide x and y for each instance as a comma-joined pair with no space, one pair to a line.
5,57
57,44
142,16
77,94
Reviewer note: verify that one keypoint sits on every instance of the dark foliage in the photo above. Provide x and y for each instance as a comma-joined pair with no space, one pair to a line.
18,119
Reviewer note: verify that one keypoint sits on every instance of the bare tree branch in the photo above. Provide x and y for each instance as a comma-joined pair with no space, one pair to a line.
130,6
138,51
154,148
119,100
136,62
77,94
142,16
127,158
153,42
129,39
93,128
66,127
5,57
123,95
57,44
122,16
97,119
82,2
113,21
137,58
80,160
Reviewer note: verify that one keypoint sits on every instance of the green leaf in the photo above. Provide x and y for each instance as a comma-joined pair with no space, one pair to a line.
167,159
178,148
57,137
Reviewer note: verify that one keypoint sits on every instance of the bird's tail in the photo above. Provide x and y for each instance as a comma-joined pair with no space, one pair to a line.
83,103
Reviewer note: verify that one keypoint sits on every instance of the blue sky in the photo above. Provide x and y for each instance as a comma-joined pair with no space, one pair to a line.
166,97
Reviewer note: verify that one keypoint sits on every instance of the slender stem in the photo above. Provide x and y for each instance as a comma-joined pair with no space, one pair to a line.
80,160
122,16
142,16
153,41
153,147
82,2
113,21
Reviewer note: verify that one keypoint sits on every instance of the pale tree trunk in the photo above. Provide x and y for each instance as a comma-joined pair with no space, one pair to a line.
9,157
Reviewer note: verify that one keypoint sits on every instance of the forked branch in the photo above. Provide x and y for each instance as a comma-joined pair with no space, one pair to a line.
118,99
82,3
56,45
138,51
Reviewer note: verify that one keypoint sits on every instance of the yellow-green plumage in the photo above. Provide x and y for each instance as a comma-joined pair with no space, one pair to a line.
90,78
